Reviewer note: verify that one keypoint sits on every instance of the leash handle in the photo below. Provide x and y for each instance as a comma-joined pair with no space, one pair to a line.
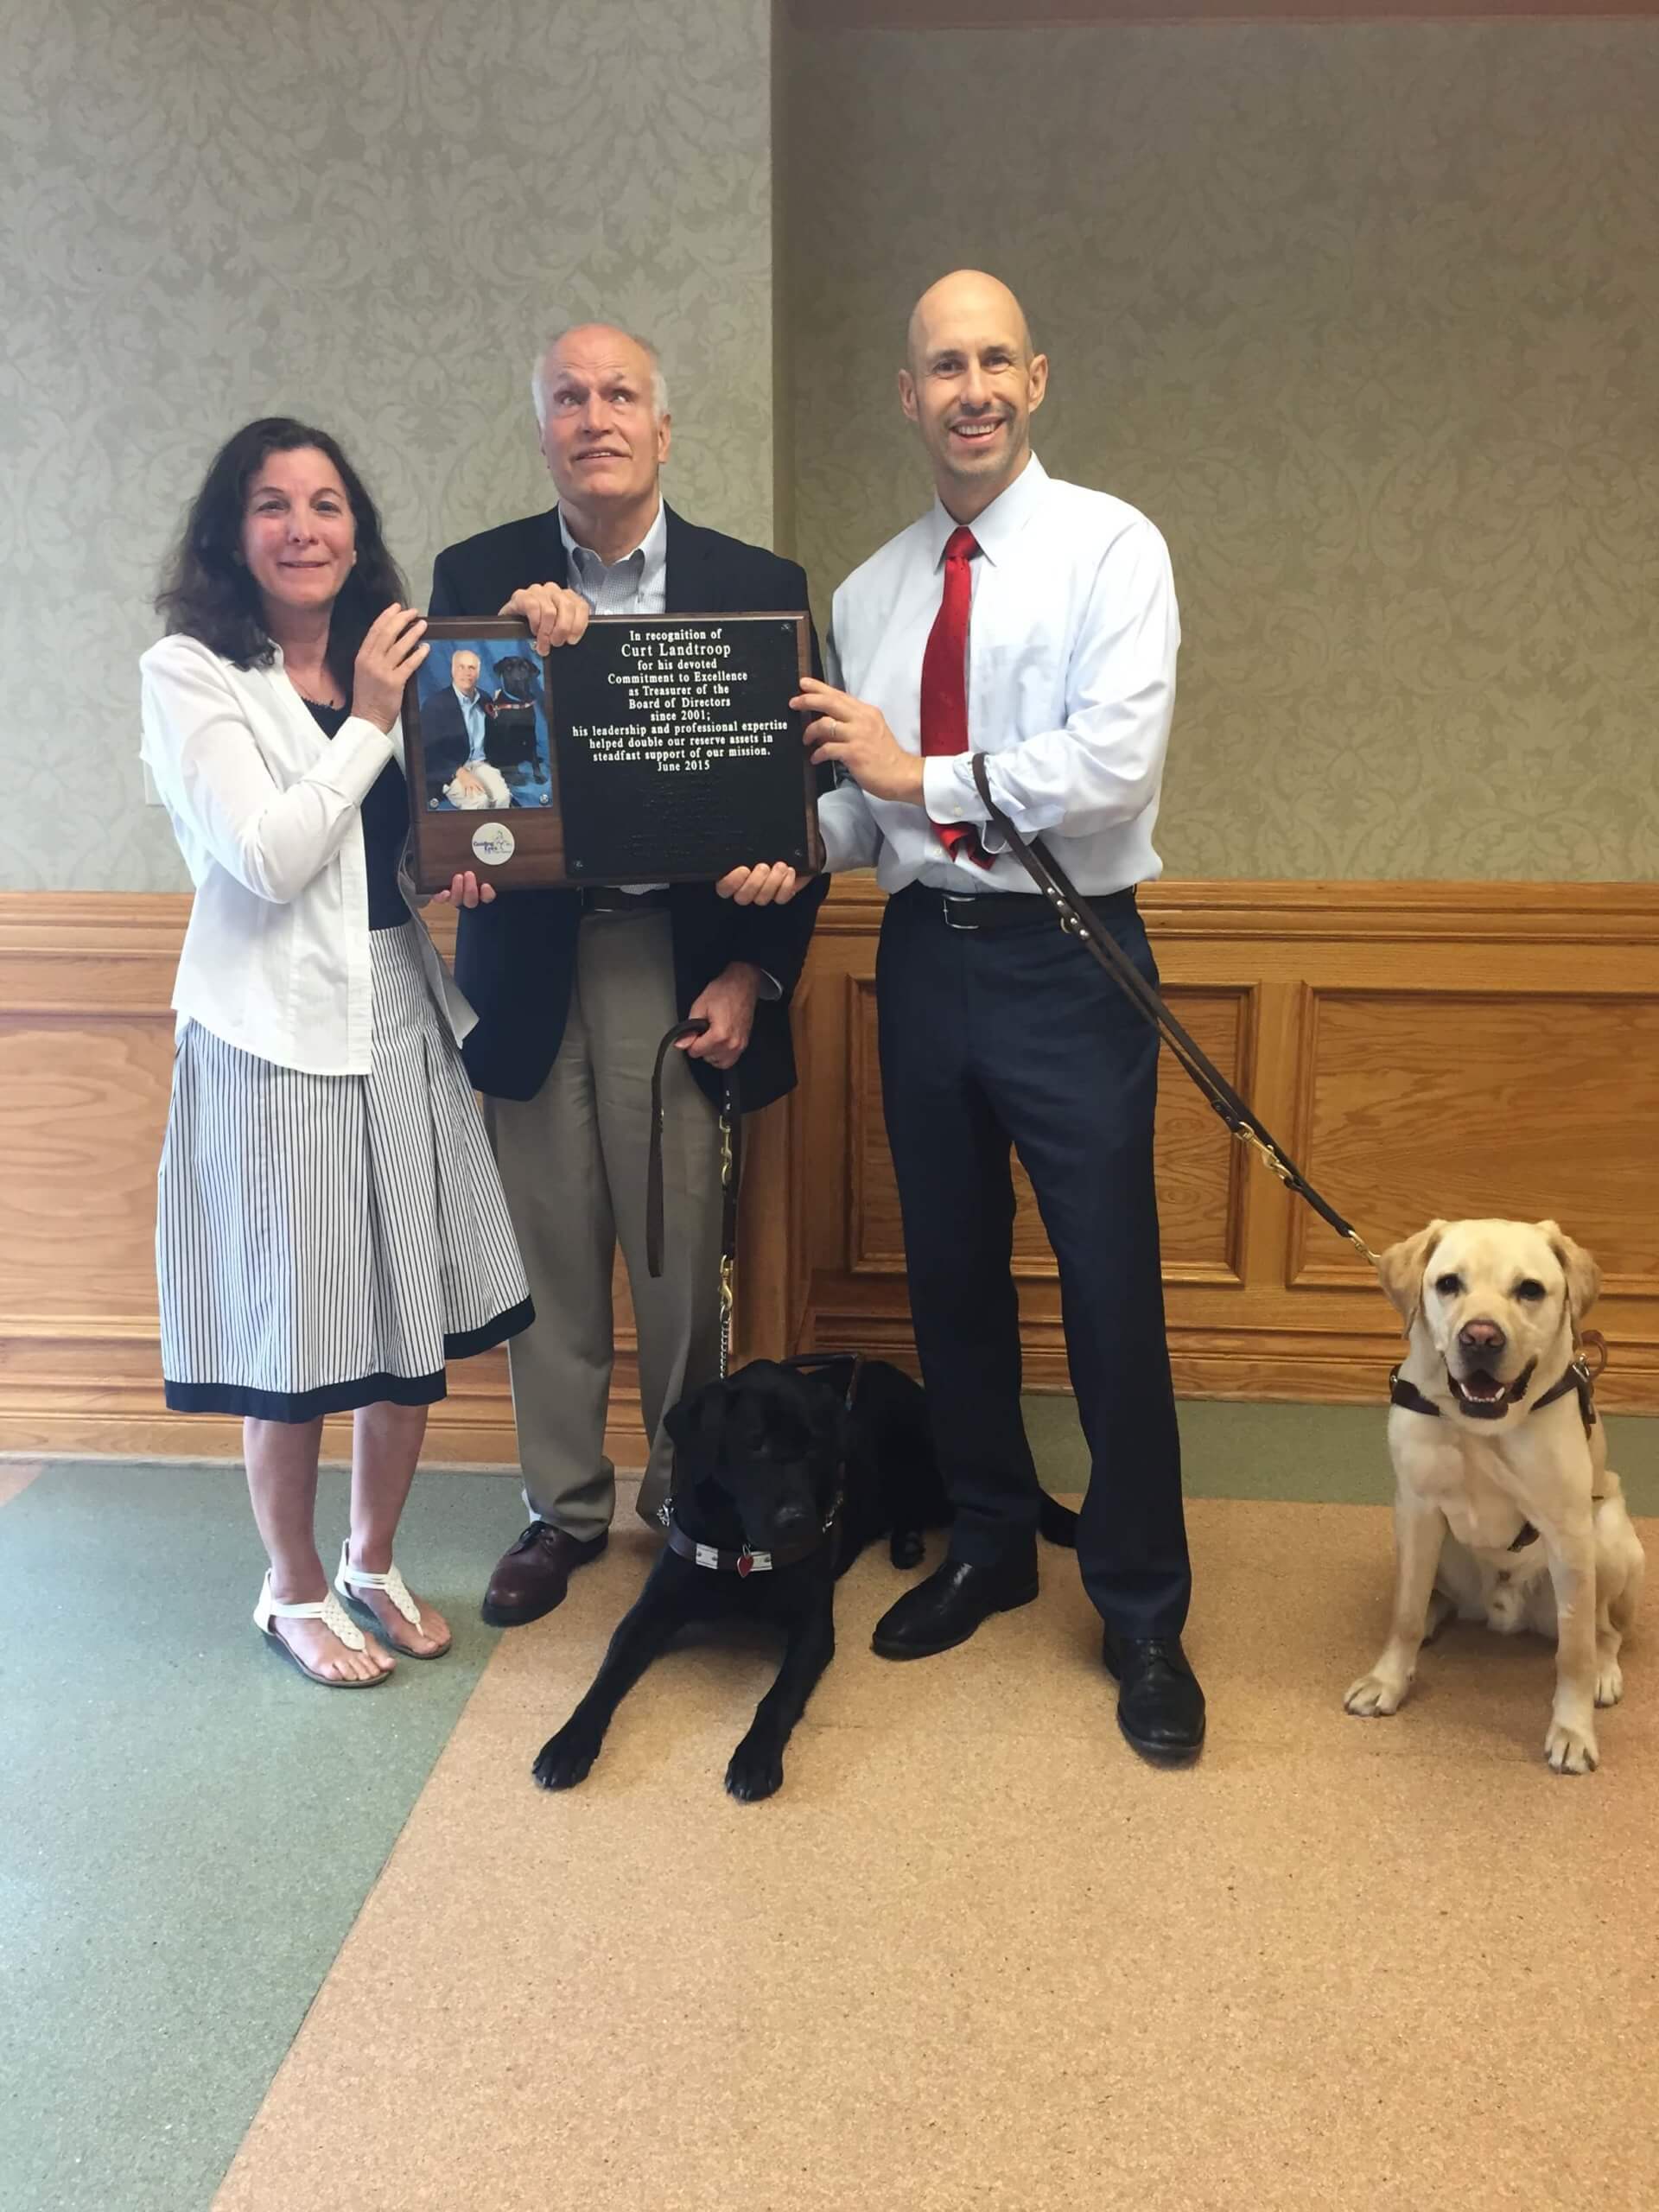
1079,918
731,1146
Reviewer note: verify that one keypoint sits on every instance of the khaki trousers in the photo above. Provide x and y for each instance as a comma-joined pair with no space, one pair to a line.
573,1162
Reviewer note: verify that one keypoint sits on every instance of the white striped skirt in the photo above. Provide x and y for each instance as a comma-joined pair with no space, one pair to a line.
326,1241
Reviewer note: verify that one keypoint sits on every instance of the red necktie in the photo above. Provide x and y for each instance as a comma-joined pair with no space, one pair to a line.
944,681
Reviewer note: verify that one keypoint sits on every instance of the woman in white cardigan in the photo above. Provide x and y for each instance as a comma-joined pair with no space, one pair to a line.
331,1230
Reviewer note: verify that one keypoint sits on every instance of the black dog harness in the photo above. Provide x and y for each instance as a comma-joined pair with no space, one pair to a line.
1579,1377
747,1562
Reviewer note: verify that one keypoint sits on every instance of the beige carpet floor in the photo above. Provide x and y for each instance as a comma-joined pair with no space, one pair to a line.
976,1954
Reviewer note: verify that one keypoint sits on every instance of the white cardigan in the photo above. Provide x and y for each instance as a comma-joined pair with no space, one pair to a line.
265,809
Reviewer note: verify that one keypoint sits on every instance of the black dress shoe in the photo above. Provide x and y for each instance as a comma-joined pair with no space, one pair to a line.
1160,1705
950,1606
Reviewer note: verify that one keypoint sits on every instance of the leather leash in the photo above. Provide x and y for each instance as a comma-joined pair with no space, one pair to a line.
1078,920
731,1149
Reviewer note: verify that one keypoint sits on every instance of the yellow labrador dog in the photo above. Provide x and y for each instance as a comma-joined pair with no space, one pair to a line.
1505,1511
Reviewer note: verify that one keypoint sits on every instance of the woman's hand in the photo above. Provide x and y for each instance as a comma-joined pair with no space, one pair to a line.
466,891
386,659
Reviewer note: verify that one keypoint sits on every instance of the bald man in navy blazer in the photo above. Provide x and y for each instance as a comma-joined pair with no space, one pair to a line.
575,990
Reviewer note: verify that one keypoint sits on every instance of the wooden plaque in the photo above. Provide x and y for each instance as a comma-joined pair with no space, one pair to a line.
660,749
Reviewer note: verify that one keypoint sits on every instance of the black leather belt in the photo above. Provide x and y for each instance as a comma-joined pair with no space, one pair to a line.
606,899
1004,910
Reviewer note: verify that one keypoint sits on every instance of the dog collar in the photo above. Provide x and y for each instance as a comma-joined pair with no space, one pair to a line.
744,1562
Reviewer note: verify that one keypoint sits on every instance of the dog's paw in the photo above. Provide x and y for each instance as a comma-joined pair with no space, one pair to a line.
1570,1749
1374,1696
906,1548
1609,1684
755,1772
565,1759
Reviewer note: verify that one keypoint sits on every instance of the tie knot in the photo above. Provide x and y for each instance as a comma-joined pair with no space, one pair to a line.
961,544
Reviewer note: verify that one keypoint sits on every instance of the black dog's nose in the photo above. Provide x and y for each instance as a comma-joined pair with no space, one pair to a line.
1482,1336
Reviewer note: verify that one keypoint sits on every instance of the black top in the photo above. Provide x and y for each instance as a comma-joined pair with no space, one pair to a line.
385,828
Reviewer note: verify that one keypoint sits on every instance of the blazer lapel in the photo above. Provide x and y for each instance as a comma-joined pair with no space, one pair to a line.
552,562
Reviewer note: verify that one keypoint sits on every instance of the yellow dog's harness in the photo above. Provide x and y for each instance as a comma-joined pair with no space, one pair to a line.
1579,1377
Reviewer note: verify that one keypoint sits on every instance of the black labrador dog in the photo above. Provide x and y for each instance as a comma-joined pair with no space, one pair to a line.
782,1474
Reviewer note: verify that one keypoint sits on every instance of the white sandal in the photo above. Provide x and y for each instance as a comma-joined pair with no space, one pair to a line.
334,1618
350,1579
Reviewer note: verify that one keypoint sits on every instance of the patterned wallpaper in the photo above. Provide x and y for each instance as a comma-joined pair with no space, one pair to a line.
1367,319
368,212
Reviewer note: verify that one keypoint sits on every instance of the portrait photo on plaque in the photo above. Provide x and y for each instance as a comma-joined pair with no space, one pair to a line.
481,701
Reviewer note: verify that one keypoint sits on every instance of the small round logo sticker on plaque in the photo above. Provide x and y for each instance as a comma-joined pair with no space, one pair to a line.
492,842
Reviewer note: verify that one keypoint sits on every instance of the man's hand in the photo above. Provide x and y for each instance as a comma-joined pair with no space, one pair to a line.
556,617
727,1006
466,890
773,886
856,735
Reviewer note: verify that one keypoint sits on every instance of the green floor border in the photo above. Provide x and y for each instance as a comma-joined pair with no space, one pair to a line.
1302,1454
188,1827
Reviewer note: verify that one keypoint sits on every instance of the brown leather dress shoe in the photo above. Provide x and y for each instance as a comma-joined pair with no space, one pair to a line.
532,1575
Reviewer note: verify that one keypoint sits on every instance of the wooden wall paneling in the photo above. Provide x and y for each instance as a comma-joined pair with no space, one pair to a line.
86,1066
1419,1047
1200,1183
1291,1313
1201,1170
1392,1115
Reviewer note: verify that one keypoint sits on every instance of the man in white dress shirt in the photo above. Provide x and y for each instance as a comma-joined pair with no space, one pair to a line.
1034,622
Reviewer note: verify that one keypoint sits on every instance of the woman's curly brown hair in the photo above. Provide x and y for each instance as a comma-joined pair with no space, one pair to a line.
208,593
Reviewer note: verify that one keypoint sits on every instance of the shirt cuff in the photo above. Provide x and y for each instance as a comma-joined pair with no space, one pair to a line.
357,754
947,791
843,819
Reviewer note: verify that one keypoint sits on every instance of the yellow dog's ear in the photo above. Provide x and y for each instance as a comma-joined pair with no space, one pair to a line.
1583,1275
1403,1266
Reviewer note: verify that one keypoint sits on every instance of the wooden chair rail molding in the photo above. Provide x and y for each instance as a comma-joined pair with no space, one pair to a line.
1421,1047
